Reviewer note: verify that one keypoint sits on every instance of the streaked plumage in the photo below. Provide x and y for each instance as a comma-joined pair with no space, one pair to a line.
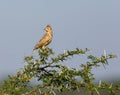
45,40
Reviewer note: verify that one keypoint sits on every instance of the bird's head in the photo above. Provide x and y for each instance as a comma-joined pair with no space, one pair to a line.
48,28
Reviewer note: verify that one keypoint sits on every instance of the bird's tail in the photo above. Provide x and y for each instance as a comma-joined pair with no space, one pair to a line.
33,52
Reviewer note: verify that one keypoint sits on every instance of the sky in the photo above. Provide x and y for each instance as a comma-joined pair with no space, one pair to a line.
93,24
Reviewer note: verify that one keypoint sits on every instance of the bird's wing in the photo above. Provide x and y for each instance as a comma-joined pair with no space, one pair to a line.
44,39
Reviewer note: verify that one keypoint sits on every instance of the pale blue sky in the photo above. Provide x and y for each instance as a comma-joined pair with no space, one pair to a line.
77,23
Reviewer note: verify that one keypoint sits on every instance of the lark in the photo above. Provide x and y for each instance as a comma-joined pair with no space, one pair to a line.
45,40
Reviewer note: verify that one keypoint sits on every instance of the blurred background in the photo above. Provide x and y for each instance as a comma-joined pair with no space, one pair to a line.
93,24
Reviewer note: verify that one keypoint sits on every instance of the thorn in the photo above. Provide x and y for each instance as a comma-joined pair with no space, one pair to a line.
105,53
104,66
33,52
110,85
64,51
99,83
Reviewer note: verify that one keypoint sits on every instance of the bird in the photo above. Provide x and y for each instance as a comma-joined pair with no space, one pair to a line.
45,40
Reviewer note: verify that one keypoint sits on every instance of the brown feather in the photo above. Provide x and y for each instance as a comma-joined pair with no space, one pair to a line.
46,39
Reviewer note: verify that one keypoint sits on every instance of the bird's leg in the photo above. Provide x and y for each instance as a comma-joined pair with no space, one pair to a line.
43,48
